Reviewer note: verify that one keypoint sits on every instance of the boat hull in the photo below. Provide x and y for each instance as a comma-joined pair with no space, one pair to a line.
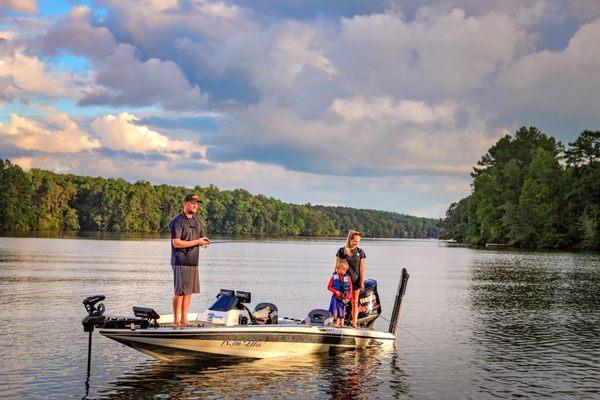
250,342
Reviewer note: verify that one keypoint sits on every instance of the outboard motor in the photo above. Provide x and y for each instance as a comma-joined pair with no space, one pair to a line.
369,306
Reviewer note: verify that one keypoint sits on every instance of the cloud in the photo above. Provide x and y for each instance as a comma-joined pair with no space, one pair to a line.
25,75
75,34
120,132
124,80
186,32
217,19
55,133
27,6
564,83
361,136
383,93
108,136
435,55
378,96
8,87
409,111
274,59
586,10
145,22
121,78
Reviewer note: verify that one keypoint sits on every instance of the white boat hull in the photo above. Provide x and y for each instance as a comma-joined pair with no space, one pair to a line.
253,342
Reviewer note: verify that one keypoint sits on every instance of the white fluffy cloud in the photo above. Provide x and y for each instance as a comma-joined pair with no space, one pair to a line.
31,76
120,132
64,136
55,131
25,75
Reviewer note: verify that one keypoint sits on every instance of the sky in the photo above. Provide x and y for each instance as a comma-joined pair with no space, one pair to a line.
383,105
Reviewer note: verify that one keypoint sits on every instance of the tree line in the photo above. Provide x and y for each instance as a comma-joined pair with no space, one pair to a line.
531,191
39,200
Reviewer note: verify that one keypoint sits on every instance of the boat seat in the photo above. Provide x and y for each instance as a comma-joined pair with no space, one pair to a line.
318,317
265,318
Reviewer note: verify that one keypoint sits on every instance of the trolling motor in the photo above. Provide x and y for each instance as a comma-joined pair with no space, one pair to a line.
95,318
95,315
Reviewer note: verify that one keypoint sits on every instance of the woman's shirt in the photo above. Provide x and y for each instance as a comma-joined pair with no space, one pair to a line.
353,261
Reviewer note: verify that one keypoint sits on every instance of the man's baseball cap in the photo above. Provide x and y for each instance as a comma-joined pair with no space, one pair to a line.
191,198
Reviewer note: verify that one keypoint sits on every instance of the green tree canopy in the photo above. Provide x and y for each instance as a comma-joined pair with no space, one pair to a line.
522,194
70,202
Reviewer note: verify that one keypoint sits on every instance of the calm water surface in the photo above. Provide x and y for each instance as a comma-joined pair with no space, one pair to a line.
475,324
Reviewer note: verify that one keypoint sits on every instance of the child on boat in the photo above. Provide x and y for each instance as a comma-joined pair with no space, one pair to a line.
340,284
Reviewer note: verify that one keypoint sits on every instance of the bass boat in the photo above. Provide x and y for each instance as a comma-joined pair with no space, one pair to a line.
229,330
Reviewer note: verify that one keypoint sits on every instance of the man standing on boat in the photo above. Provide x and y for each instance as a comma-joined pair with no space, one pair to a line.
187,234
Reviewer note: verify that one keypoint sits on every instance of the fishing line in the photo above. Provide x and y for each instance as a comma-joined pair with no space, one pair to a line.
409,332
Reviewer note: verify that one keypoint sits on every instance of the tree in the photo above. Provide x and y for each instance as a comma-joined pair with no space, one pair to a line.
79,202
17,210
585,149
518,195
582,214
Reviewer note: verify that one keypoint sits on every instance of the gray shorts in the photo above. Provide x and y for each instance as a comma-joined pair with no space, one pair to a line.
186,279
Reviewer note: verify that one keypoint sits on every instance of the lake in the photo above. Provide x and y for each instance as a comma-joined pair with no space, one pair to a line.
475,324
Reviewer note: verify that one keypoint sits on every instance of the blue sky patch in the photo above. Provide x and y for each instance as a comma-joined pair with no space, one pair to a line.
200,123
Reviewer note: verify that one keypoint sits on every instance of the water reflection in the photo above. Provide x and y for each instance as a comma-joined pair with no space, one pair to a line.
536,325
349,375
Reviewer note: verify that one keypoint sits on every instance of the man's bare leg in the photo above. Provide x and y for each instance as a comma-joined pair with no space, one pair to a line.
187,298
177,306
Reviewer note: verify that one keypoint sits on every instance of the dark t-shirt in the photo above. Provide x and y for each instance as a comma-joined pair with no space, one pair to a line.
185,228
354,262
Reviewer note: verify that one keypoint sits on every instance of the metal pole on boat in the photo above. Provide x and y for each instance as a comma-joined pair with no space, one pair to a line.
398,302
93,319
89,360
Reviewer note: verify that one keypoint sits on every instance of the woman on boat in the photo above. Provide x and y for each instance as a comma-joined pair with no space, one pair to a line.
355,257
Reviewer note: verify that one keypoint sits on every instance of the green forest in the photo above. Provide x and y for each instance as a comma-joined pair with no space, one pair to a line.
39,200
531,191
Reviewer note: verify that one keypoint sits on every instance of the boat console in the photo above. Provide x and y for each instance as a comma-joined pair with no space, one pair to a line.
228,309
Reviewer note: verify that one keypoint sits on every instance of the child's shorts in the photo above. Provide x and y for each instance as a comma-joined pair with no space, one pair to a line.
337,308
